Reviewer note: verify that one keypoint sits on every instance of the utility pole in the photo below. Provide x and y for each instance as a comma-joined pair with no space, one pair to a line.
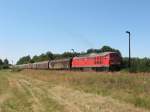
128,32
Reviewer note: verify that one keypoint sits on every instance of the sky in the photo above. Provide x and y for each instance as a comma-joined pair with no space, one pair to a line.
32,27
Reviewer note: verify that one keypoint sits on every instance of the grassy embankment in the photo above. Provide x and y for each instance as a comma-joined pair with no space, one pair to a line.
64,91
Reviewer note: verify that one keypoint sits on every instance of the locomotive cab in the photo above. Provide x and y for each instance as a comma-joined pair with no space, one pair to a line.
114,61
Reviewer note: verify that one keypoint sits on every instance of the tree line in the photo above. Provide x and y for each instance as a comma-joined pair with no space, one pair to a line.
137,64
4,64
50,56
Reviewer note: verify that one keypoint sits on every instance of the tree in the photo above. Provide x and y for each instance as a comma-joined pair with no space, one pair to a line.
50,55
24,60
6,62
43,57
109,49
106,49
35,58
1,62
67,55
103,49
93,51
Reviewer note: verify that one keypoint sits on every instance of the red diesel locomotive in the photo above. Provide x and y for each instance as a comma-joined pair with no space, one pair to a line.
106,60
100,61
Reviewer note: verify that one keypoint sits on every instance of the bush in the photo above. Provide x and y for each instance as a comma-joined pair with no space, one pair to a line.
137,64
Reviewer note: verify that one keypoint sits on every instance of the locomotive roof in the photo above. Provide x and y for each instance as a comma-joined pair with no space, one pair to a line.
95,54
101,54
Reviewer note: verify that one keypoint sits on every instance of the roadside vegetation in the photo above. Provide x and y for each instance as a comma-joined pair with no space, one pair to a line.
137,65
4,64
65,91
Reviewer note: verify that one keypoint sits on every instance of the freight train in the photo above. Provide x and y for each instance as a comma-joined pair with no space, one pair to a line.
99,61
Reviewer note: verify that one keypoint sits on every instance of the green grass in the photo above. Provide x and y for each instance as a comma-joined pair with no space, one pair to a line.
18,97
3,83
130,88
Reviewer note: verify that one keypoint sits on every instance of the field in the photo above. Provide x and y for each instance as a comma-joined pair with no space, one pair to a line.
65,91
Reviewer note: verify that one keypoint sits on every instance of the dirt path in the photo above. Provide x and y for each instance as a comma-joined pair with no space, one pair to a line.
43,97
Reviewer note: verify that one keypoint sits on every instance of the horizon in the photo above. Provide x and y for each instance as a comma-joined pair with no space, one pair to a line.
35,27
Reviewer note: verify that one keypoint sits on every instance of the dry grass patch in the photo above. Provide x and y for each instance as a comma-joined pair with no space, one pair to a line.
129,88
65,91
